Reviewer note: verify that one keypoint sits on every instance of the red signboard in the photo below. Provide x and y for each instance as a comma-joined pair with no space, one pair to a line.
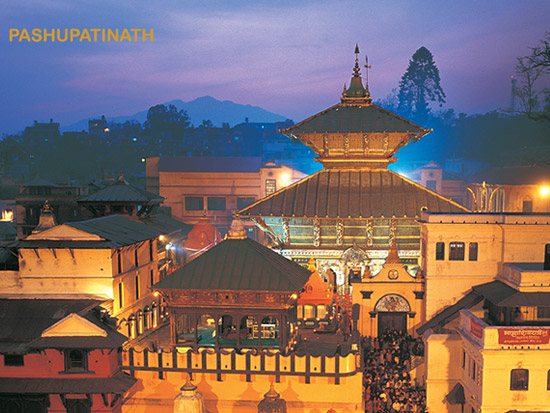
476,328
523,336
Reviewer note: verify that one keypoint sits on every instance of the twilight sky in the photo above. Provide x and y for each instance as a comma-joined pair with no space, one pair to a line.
289,57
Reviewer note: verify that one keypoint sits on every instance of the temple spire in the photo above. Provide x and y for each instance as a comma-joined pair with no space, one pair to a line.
356,94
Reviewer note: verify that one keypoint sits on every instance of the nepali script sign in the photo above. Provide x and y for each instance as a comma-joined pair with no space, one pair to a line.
523,336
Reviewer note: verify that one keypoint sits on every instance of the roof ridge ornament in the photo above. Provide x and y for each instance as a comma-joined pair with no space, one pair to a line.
356,94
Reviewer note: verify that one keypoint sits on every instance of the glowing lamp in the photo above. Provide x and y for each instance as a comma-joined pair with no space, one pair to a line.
294,296
161,238
285,179
544,190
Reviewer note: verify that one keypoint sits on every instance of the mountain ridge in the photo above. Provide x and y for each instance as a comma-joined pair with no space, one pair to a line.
199,109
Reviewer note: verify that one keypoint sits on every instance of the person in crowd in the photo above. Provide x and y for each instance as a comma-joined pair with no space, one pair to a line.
387,383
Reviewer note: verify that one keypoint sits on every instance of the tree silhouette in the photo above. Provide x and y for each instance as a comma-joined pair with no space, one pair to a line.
167,121
419,86
535,102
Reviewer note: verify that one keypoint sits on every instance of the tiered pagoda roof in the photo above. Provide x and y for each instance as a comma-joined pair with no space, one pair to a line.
355,141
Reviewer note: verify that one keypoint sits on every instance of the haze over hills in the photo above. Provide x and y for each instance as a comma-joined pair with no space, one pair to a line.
203,108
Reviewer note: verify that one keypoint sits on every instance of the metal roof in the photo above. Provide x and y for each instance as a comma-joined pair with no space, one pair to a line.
497,293
209,164
166,224
116,230
503,295
122,191
341,193
238,264
355,119
119,383
451,312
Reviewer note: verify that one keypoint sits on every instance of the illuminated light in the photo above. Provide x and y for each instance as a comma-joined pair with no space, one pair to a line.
294,296
169,247
544,191
285,179
156,294
106,130
7,215
161,238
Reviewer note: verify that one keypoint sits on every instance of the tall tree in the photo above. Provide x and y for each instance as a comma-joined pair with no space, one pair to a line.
419,86
534,101
167,121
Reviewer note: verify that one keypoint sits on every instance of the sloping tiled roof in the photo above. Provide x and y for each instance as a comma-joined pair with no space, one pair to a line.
451,312
354,119
23,320
503,295
352,193
238,264
209,164
121,191
117,231
496,292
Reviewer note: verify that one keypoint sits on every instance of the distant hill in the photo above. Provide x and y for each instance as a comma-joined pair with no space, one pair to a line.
203,108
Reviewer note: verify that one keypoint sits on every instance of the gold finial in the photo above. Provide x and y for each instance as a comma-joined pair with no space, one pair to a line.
311,264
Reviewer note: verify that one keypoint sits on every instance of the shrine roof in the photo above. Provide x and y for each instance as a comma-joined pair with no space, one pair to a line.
368,118
238,264
24,320
349,193
119,383
121,191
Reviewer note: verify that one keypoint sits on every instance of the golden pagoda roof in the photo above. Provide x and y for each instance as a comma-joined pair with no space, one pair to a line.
355,130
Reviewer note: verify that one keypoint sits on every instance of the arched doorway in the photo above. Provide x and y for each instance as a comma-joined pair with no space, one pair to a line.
392,311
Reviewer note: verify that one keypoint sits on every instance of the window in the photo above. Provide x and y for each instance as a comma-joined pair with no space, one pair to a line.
440,251
547,257
431,185
270,186
456,251
473,370
119,261
194,203
519,379
136,257
309,312
76,361
548,380
463,359
243,202
472,253
216,203
152,277
543,313
527,206
151,250
120,295
137,287
14,360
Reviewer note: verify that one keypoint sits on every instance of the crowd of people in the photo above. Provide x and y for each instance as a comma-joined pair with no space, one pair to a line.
388,385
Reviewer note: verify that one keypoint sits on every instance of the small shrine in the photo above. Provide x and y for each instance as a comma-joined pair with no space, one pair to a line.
237,294
315,301
390,300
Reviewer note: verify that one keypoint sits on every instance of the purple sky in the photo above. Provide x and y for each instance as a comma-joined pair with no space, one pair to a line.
289,57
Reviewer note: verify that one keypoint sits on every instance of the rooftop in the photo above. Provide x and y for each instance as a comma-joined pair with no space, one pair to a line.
352,194
238,264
